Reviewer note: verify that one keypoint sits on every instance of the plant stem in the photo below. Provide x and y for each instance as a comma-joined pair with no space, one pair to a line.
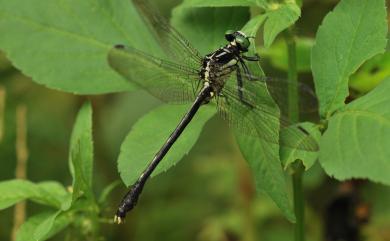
299,207
293,113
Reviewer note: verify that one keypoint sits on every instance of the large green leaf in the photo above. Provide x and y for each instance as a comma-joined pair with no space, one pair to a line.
47,193
253,25
29,228
354,32
262,155
356,143
63,44
150,133
81,152
263,159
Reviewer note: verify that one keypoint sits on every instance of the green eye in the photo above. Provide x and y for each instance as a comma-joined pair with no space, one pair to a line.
229,35
243,42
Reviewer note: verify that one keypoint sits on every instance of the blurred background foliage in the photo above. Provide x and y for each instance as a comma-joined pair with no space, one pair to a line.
210,195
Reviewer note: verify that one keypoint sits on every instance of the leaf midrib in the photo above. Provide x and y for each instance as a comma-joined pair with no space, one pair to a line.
368,114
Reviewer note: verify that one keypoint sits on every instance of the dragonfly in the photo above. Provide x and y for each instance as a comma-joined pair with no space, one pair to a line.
222,77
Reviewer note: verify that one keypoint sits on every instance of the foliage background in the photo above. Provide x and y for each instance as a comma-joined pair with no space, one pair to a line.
210,195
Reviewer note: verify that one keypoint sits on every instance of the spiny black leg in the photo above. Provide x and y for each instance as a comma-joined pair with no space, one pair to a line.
246,69
252,58
239,83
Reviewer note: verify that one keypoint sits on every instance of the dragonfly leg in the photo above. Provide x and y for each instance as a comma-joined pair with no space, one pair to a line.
246,69
239,83
252,58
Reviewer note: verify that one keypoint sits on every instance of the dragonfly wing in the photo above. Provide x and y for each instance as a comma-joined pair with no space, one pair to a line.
176,47
278,88
256,114
167,81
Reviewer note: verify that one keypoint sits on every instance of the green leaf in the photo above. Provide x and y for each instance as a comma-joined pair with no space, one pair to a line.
263,159
250,29
29,227
51,225
280,17
150,133
356,143
205,27
80,184
354,32
253,25
262,155
81,152
290,155
68,41
222,3
47,193
277,54
55,191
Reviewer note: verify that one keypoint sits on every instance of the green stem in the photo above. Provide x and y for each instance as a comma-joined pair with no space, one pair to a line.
293,113
299,207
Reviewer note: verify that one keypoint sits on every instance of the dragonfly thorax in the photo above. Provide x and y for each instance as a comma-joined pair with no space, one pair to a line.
217,66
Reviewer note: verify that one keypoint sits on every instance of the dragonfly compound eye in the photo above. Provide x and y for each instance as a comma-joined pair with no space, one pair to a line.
242,42
229,35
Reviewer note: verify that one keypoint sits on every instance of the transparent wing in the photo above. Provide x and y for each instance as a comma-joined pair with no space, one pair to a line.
176,47
278,88
257,114
167,81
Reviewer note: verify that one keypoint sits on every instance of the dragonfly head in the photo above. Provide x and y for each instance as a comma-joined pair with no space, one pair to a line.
239,39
